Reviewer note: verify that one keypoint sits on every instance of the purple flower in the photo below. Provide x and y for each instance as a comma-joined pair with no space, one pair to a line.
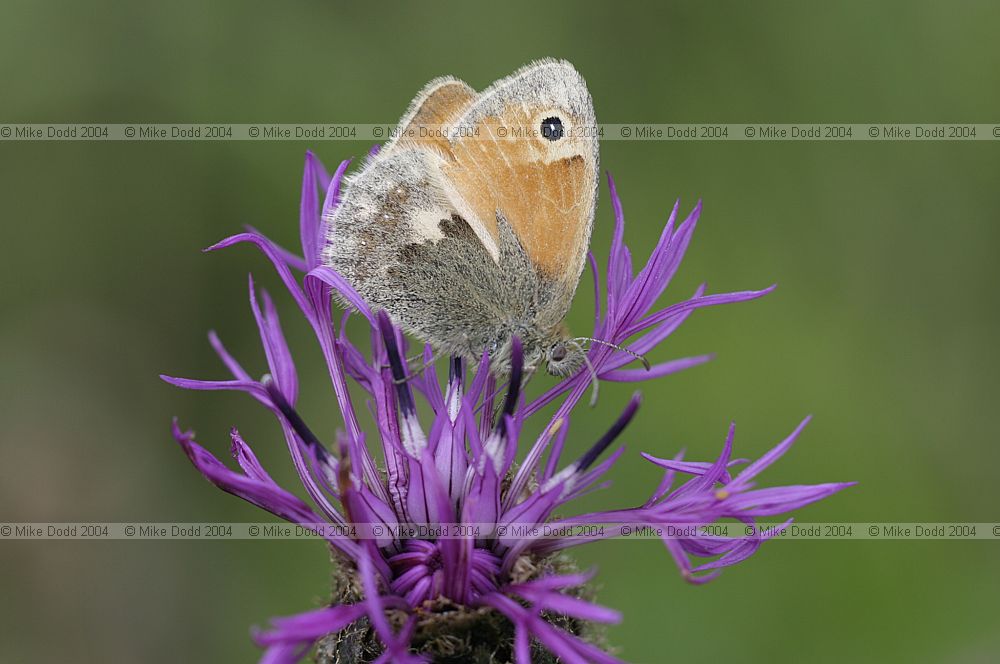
494,581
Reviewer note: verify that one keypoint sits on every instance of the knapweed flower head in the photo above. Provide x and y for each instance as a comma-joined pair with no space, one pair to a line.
436,535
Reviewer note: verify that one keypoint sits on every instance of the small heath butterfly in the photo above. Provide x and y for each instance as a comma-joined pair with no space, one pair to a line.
471,225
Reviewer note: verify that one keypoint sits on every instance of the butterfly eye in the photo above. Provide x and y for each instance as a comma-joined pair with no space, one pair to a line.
552,128
558,353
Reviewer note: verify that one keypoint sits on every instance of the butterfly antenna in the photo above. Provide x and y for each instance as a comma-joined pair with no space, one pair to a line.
593,380
641,358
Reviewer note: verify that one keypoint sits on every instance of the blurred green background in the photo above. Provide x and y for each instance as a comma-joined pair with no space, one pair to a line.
884,324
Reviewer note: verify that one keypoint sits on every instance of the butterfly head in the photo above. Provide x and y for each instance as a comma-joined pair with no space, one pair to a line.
560,354
564,357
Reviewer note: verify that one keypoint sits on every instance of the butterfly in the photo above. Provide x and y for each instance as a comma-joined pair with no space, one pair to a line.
471,225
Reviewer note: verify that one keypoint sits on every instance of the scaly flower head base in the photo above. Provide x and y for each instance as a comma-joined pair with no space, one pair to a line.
487,592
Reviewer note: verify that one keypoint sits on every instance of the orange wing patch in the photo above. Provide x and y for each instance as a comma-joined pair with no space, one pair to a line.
545,189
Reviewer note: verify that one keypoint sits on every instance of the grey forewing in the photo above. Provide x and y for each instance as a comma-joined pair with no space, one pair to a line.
441,284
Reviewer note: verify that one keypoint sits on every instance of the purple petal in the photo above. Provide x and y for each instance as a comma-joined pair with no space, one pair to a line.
783,499
246,458
309,217
556,581
289,257
655,337
330,203
333,186
570,606
649,283
279,358
616,276
309,626
340,285
692,304
262,493
596,273
662,265
270,251
656,371
522,651
771,456
689,467
585,480
396,645
227,359
253,388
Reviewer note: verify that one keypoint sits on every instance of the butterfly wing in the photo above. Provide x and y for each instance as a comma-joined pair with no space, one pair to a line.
527,150
400,242
471,239
431,113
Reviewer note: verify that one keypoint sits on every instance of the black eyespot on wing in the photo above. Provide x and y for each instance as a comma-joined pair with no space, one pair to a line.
552,128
